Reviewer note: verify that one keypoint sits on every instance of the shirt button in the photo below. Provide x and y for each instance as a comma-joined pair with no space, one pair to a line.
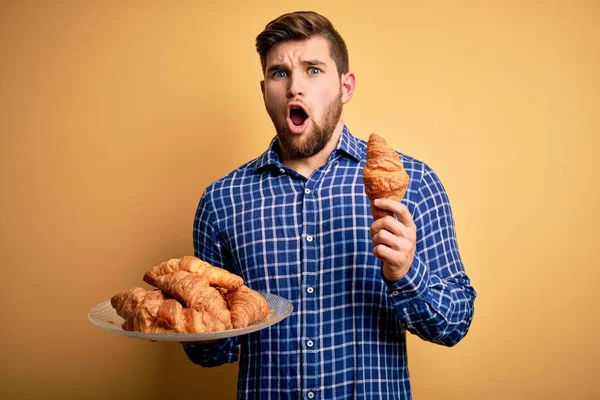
409,326
309,238
310,395
310,289
395,293
307,191
309,343
282,170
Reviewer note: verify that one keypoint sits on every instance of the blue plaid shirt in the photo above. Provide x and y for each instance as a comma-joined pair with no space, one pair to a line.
307,240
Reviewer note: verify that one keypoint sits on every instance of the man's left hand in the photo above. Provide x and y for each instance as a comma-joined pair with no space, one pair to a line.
394,240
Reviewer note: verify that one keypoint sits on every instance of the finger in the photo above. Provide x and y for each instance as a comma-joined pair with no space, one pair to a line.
405,217
397,208
397,244
384,253
392,256
387,239
388,223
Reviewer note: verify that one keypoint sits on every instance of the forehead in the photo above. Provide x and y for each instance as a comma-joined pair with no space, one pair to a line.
290,51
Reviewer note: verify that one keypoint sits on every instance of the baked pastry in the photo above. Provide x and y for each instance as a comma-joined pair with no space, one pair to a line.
247,306
194,291
384,175
168,316
191,296
126,303
216,276
150,311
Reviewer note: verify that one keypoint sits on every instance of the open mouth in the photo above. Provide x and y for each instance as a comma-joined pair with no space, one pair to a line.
297,118
298,115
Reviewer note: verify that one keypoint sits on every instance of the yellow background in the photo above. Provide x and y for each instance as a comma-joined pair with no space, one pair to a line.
114,117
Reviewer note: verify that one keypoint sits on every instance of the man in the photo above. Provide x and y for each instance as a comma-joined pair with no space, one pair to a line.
296,222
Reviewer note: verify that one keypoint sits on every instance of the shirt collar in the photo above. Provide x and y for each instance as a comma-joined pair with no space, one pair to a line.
348,145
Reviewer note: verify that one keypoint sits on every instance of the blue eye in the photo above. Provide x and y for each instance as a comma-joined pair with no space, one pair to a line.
280,74
314,71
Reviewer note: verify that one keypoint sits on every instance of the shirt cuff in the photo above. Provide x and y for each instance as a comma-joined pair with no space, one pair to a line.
414,284
408,294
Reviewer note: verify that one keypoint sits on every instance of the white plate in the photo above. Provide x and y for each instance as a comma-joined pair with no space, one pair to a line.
106,317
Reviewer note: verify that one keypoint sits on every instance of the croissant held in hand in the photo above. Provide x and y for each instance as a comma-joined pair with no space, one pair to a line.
247,306
215,276
384,175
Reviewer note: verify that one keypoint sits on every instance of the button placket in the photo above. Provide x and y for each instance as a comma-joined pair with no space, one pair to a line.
310,270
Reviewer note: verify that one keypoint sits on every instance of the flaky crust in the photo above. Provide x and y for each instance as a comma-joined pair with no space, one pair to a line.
384,175
126,303
247,306
215,276
151,311
194,291
191,296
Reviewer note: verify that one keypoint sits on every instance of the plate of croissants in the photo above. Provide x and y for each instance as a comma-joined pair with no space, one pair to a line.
190,301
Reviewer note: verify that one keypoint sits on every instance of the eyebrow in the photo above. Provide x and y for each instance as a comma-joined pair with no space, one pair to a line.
273,68
312,62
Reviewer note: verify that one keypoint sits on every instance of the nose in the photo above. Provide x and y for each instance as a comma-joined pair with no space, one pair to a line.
294,86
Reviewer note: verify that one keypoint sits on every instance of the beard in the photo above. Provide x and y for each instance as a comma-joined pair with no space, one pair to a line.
317,138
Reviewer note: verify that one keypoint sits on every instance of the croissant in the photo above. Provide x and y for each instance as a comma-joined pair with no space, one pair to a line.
384,175
215,276
160,316
149,311
247,306
127,302
194,291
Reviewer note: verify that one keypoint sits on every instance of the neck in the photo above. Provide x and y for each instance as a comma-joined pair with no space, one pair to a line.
307,165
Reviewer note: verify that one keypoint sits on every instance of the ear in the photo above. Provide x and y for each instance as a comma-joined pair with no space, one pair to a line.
348,83
262,88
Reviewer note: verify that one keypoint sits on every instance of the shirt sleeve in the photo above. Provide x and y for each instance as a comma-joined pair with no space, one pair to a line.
214,354
434,300
207,247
